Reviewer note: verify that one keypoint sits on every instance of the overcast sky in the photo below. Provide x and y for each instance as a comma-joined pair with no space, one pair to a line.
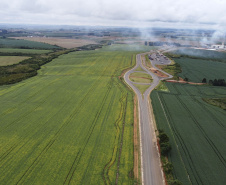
135,13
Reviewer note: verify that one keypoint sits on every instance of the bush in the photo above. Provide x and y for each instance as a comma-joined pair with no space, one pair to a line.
168,168
163,138
165,148
174,182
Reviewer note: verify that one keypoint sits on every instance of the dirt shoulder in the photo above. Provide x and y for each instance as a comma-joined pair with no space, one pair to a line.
184,82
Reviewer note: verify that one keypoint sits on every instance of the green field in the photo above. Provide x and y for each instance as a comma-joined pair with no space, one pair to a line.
139,69
196,130
9,60
26,51
24,44
197,69
142,88
70,124
198,64
125,47
202,54
140,77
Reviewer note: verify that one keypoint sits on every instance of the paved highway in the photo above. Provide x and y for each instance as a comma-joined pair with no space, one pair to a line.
150,161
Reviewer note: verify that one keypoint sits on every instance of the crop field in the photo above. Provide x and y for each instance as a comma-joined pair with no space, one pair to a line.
9,60
71,124
26,51
24,44
124,47
62,42
204,54
197,69
196,130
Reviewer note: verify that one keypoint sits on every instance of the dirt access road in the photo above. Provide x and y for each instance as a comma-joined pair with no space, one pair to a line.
151,170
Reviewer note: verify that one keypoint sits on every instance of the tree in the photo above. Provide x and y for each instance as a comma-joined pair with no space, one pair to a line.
204,80
163,138
211,82
165,148
186,79
215,82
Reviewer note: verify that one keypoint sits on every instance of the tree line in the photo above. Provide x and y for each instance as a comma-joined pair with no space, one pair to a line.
28,68
215,82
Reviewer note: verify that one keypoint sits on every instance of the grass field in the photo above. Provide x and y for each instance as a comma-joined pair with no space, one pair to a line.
140,77
26,51
139,69
142,88
162,86
9,60
24,44
62,42
196,130
71,124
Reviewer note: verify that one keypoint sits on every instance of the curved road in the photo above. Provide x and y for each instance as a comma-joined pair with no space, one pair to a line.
150,160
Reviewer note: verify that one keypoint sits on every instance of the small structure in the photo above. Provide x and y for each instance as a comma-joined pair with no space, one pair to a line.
222,46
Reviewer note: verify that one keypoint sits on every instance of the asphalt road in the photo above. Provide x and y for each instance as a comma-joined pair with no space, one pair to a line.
150,161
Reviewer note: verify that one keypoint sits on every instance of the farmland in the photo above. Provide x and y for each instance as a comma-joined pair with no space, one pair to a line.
70,124
24,44
203,54
9,60
199,64
196,130
197,69
24,51
62,42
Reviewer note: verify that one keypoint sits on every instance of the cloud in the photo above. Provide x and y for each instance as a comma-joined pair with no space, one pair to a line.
115,12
